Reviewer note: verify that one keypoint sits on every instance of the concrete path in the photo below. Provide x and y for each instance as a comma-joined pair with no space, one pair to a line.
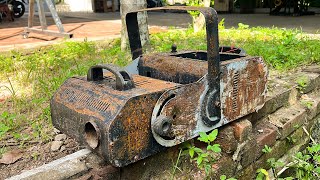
100,25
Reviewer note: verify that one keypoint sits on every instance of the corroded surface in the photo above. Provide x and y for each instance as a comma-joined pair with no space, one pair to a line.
171,98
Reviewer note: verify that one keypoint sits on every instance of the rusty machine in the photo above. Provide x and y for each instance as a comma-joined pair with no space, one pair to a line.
159,100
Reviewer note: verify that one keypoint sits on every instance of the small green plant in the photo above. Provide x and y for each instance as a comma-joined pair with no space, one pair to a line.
262,174
3,129
291,140
274,165
305,165
307,103
224,177
204,158
302,82
243,26
266,149
2,151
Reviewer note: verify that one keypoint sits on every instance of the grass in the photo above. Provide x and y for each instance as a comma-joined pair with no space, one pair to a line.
32,77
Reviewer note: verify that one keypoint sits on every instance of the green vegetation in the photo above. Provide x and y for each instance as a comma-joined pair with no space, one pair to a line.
205,158
303,165
302,82
31,78
281,49
266,149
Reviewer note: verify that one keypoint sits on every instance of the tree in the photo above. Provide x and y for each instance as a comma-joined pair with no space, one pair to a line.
132,5
198,21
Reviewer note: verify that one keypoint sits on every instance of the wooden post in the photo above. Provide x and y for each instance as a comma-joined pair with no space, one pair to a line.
31,13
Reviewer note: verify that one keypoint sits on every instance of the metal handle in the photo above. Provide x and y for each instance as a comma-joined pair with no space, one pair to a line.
123,78
211,19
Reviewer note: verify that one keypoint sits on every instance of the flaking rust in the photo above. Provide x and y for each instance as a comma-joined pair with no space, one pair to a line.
159,100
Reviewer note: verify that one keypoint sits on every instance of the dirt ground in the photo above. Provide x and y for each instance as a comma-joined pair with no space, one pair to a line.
34,154
89,25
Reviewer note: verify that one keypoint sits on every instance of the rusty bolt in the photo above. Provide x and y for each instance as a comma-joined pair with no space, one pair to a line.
217,104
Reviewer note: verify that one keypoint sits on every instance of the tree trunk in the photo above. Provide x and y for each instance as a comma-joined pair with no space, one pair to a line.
131,5
199,21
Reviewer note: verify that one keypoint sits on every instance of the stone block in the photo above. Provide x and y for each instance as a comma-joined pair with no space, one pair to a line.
264,133
226,139
288,119
273,102
242,129
224,166
313,82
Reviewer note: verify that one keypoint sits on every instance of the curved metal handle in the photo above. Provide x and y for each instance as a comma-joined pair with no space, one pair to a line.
211,19
123,78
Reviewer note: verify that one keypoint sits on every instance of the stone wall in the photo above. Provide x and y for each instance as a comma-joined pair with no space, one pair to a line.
283,124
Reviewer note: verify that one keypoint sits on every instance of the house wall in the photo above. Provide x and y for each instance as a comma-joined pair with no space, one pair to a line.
80,5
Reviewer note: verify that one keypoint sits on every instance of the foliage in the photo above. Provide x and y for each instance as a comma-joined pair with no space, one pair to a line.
305,166
302,82
204,158
197,3
266,149
281,49
307,103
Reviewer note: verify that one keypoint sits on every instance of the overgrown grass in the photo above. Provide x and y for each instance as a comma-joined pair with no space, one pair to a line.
33,77
282,49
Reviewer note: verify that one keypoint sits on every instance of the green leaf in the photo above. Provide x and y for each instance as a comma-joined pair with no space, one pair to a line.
199,160
223,177
203,137
207,168
191,152
263,171
213,135
216,148
3,129
204,155
317,170
198,150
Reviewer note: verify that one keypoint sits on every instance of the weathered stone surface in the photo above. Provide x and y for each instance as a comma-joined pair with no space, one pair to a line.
246,173
158,166
315,130
226,139
60,137
274,102
63,168
224,166
288,119
264,133
313,82
55,145
242,129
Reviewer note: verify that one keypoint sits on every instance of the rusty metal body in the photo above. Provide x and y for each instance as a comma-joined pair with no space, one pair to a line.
159,100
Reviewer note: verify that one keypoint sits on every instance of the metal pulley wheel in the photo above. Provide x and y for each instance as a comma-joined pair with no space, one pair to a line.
278,2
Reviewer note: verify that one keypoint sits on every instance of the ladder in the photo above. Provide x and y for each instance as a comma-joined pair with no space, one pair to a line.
44,28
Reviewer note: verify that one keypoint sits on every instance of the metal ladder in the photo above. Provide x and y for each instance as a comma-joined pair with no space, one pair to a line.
44,27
